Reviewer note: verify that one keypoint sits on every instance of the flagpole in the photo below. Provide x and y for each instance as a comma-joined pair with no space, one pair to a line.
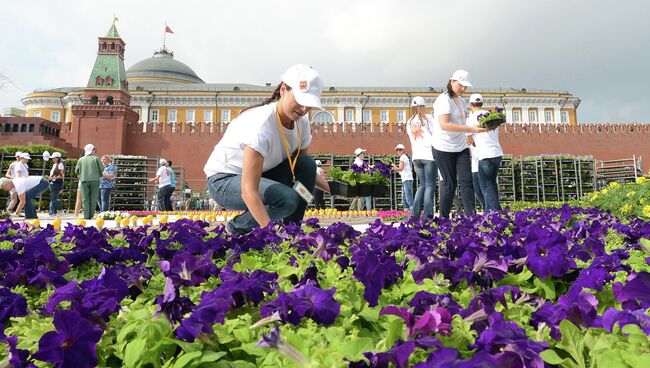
165,35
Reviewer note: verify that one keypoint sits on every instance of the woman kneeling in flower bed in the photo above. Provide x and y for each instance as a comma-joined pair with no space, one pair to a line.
264,154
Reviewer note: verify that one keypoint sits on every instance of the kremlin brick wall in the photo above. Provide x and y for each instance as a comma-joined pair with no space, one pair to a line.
603,141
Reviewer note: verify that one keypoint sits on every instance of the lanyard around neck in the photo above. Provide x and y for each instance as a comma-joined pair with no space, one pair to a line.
292,163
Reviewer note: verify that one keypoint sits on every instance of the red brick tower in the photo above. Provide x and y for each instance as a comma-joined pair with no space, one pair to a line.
105,112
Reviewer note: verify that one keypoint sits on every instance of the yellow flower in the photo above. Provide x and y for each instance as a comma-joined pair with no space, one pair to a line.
642,200
631,194
641,180
626,209
614,184
646,211
604,191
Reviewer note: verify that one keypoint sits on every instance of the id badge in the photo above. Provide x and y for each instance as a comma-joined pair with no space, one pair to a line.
303,192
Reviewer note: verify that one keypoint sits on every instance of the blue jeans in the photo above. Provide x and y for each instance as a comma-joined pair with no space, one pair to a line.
477,189
368,203
427,173
275,189
55,189
105,198
488,171
30,195
455,169
407,194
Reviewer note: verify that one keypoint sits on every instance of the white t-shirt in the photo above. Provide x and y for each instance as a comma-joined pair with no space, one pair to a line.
407,171
59,166
420,137
358,161
474,156
487,143
258,129
320,171
165,178
444,140
20,170
22,185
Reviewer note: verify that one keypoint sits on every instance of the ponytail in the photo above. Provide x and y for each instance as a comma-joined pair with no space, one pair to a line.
274,97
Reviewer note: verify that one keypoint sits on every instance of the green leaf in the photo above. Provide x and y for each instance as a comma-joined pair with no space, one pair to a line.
516,279
572,342
134,351
186,359
546,285
354,349
551,357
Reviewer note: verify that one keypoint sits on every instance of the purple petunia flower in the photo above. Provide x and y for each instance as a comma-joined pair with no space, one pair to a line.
172,305
187,270
375,271
433,320
450,358
305,301
547,253
509,345
637,317
18,358
398,356
73,343
11,305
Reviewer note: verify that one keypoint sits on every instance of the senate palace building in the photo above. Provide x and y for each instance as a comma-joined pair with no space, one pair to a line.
167,94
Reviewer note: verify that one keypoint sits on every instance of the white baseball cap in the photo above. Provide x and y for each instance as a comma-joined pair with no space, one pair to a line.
418,101
359,151
56,154
162,161
25,155
475,97
399,146
18,153
305,83
318,162
88,149
462,76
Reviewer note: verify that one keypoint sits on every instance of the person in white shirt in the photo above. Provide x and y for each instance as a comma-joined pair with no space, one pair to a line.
56,182
406,174
488,153
449,142
419,128
22,168
27,188
11,173
262,165
163,178
358,202
475,183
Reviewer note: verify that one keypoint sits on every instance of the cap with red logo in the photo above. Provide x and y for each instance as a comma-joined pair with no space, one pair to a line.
305,83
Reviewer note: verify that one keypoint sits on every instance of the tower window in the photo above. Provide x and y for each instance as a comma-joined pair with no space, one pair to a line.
109,100
109,81
99,81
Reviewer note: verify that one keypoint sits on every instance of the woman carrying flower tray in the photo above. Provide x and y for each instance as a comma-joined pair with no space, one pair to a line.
450,148
488,150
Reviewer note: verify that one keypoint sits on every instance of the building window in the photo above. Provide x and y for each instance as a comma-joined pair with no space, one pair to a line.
55,116
383,116
172,115
532,116
155,115
225,115
207,115
516,116
548,116
565,116
349,115
367,116
322,117
37,114
401,115
189,115
173,126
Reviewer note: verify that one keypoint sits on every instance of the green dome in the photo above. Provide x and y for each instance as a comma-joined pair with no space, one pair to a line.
161,69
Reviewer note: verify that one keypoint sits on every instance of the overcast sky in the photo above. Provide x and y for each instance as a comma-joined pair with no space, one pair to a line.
597,50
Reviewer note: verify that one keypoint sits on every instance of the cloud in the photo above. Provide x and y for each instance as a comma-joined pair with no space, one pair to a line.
595,50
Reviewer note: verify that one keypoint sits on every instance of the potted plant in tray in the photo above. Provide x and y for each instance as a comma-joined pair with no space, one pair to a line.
492,119
379,174
354,182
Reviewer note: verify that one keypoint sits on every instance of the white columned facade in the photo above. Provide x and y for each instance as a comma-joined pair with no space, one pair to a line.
525,116
357,114
509,114
340,114
557,115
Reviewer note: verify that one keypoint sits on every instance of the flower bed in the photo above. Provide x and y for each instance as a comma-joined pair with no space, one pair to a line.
564,286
